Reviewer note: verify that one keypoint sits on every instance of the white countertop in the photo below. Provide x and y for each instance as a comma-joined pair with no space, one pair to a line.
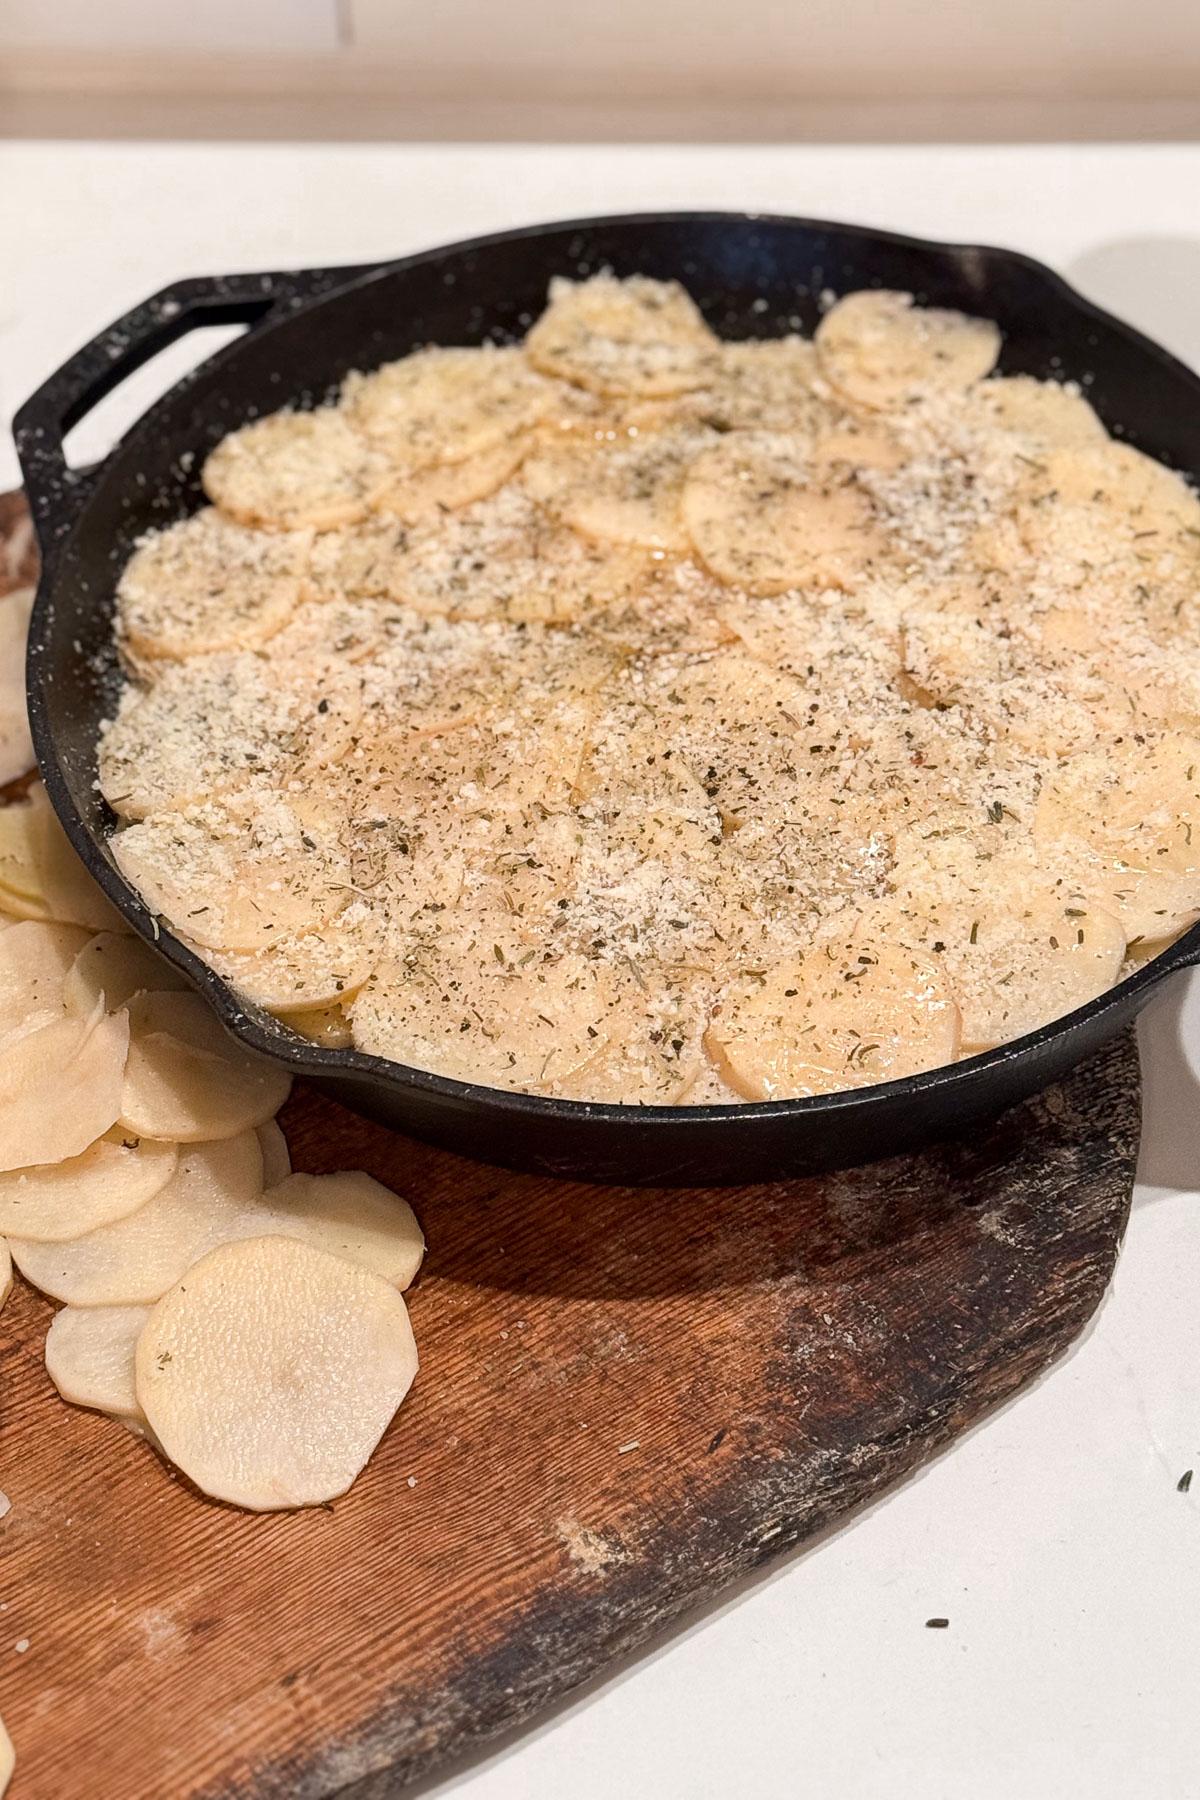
1053,1537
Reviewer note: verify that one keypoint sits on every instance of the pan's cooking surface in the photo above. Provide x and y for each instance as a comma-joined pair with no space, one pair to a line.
751,278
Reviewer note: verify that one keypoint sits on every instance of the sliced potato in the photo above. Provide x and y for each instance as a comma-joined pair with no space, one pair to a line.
626,492
186,1080
764,515
239,874
16,745
448,405
847,1014
880,350
307,972
1125,819
416,496
277,1160
348,1214
41,877
764,384
34,961
7,1758
1048,413
137,1258
107,1181
113,967
294,470
61,1081
208,584
481,1009
89,1358
214,724
272,1370
623,337
6,1276
1016,969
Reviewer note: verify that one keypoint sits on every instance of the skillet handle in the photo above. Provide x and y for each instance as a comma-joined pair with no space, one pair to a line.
56,493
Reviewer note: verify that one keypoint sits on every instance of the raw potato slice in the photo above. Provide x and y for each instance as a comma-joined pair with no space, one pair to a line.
6,1281
16,745
627,492
208,584
1016,970
104,1183
304,974
416,496
294,470
239,874
880,350
847,1014
34,961
1126,820
277,1160
60,1086
212,725
475,1011
448,405
134,1260
348,1215
1047,413
89,1358
114,967
186,1080
623,337
271,1371
765,516
1120,477
40,875
763,385
7,1758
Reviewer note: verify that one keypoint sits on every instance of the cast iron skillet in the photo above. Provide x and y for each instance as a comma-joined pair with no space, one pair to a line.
752,276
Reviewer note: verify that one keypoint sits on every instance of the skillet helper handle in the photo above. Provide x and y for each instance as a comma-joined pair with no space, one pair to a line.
56,494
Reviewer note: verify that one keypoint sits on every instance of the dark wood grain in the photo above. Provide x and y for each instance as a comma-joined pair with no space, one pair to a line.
628,1399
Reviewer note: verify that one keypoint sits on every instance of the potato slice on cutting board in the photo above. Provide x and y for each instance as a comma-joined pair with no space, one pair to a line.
277,1158
41,877
623,337
114,967
271,1371
293,470
188,1081
448,405
16,745
1125,819
765,515
35,959
208,584
846,1014
61,1082
89,1358
348,1214
135,1259
109,1180
6,1272
7,1758
882,351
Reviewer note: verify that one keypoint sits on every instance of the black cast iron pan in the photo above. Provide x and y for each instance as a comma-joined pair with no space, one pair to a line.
752,277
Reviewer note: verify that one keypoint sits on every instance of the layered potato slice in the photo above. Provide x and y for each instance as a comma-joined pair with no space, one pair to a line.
208,584
446,407
882,351
295,470
632,337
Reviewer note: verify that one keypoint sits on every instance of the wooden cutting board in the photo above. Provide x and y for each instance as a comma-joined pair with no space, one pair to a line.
628,1399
